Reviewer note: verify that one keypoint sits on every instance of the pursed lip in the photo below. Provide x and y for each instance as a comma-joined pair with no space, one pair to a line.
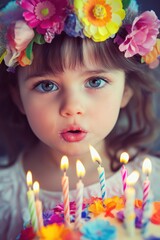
73,133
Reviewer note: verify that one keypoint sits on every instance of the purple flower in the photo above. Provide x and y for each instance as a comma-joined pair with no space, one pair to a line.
73,27
138,218
50,217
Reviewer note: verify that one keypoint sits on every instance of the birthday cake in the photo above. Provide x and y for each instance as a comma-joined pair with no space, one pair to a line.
100,220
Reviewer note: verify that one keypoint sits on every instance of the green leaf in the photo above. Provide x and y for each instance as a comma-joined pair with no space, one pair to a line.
39,39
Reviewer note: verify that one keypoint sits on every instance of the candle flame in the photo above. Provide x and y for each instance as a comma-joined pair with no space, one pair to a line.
95,155
80,169
36,187
64,163
29,178
132,178
124,158
147,166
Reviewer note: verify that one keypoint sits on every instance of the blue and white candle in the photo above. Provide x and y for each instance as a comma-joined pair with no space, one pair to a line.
96,158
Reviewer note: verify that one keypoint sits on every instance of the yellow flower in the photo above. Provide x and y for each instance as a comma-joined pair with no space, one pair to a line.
51,232
100,18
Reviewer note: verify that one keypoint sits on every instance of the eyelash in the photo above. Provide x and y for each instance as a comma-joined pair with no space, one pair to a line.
102,83
40,86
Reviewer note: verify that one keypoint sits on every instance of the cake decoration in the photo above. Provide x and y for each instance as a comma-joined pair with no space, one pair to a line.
95,223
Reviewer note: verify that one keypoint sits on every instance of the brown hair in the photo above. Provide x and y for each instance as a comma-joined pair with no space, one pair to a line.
137,124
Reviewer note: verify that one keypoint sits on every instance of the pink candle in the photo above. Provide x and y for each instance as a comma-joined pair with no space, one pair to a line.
124,159
79,196
65,190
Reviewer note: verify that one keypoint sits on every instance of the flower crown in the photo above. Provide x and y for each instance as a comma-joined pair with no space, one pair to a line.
25,22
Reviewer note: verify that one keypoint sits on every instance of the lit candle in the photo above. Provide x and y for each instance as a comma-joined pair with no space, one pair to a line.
38,204
96,158
31,202
79,196
124,159
147,203
129,214
146,169
65,190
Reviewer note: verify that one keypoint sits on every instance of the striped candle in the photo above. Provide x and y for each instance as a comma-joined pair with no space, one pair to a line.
102,180
124,159
79,196
31,202
124,175
146,190
79,204
65,190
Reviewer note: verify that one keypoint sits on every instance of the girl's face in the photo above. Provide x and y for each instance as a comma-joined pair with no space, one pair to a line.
69,110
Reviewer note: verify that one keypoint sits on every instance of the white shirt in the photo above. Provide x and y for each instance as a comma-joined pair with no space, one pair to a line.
13,199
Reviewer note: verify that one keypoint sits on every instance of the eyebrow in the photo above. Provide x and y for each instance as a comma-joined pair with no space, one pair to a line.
34,75
98,71
85,72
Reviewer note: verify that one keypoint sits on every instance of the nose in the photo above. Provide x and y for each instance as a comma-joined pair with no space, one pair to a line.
71,106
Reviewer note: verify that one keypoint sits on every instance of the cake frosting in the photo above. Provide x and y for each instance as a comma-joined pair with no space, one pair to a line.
101,220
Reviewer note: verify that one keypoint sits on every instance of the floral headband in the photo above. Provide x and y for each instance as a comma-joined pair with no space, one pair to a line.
25,22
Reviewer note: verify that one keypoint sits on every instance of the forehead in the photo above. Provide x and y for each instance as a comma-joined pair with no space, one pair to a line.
71,53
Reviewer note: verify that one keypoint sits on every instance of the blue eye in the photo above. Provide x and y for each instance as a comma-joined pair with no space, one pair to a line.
46,86
96,82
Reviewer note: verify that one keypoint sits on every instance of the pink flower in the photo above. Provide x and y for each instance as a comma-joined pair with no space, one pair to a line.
43,14
143,35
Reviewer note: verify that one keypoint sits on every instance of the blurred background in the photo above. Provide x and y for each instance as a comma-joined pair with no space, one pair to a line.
143,5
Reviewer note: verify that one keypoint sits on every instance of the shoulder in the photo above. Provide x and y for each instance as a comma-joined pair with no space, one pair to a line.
12,170
13,201
12,179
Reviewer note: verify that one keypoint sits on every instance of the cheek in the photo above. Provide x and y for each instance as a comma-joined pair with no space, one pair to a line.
106,114
39,118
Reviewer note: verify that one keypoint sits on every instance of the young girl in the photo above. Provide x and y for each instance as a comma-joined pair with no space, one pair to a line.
71,78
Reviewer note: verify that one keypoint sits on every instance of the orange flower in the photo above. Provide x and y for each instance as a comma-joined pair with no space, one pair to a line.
23,60
153,55
96,208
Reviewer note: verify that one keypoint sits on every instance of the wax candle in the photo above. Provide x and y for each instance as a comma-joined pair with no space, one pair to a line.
31,202
146,215
65,190
146,169
129,214
96,158
38,204
79,196
124,159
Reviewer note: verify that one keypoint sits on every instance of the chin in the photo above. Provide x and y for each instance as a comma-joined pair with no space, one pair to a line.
75,150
